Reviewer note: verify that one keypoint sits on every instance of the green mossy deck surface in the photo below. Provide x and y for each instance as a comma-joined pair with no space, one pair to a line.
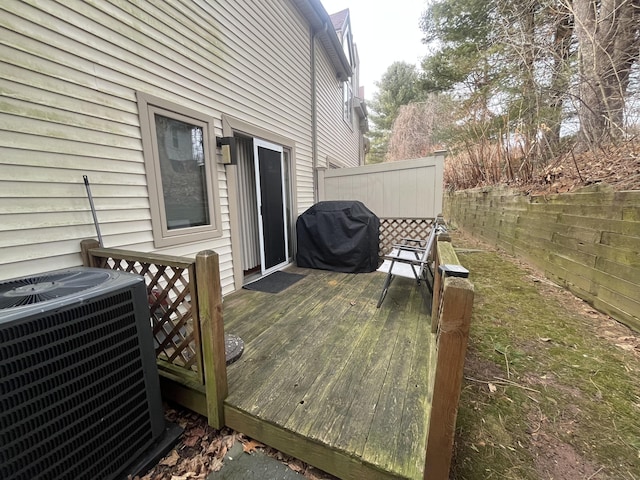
329,378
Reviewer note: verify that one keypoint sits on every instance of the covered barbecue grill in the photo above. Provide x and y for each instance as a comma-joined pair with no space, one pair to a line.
341,236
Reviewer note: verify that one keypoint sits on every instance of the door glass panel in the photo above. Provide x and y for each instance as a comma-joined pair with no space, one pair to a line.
270,164
183,173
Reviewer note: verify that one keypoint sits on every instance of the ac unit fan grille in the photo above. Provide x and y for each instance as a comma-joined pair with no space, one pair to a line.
49,286
73,400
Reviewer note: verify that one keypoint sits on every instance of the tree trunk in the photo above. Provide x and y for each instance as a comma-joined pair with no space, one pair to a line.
530,111
562,39
608,47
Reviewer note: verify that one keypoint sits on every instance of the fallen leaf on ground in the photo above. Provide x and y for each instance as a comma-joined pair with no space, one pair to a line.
194,466
215,465
492,388
250,446
296,465
626,339
194,437
188,476
171,459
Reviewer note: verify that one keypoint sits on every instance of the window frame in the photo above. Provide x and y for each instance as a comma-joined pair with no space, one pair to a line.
347,44
347,102
347,85
149,106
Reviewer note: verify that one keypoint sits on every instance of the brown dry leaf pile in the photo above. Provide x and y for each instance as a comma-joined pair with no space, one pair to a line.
617,166
201,450
485,164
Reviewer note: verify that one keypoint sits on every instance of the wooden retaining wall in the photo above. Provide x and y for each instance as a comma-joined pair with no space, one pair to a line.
587,241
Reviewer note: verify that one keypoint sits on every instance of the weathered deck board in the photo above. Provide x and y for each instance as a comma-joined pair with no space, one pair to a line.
366,395
301,328
386,427
409,452
287,373
324,368
304,375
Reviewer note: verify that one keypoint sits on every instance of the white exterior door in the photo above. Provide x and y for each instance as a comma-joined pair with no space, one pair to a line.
272,208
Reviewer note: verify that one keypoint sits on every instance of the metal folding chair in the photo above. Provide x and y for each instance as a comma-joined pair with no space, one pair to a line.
410,259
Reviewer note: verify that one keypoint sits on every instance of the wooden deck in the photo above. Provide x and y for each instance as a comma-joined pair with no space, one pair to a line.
328,378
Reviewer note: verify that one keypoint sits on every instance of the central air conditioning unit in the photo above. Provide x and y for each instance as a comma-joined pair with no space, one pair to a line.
79,388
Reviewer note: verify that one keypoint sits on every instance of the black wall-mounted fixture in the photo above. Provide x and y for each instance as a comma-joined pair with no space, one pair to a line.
228,146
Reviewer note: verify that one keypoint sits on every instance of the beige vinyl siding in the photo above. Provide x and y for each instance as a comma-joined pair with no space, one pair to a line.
337,141
68,108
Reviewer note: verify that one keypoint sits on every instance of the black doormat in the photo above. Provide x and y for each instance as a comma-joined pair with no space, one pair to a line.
275,282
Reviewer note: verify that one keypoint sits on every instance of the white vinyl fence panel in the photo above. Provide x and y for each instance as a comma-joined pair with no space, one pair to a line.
404,189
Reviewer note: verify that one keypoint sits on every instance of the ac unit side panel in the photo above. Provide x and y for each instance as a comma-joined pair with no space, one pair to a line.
148,357
79,394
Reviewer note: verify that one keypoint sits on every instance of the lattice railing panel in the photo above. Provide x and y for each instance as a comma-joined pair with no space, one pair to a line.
172,313
393,229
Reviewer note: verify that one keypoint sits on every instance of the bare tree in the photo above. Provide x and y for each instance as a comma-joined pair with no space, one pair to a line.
608,33
415,129
549,75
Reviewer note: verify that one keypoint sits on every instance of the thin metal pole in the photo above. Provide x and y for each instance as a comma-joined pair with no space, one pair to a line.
93,210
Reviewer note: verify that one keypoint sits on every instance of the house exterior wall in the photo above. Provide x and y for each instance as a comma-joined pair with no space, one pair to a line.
338,141
69,79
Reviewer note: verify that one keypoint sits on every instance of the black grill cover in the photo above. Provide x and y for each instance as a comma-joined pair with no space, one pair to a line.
341,236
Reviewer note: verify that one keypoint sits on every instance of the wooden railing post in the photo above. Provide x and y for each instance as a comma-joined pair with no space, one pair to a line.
86,245
437,279
452,337
209,294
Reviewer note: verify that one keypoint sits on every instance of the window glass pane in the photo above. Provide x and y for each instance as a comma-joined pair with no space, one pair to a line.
183,173
347,96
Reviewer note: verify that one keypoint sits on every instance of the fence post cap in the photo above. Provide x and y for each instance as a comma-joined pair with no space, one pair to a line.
452,270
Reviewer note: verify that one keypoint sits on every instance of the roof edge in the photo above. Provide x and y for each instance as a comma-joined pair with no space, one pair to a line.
321,24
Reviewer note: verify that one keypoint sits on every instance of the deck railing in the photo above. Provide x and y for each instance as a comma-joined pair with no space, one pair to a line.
450,322
185,315
185,302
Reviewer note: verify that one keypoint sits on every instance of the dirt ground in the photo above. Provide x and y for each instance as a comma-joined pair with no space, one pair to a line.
556,459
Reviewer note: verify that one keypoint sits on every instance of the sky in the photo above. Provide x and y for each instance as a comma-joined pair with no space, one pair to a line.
384,32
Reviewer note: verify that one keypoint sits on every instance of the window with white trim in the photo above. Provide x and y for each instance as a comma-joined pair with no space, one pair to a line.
179,152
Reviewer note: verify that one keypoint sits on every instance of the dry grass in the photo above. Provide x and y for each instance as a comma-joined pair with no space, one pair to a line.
487,163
